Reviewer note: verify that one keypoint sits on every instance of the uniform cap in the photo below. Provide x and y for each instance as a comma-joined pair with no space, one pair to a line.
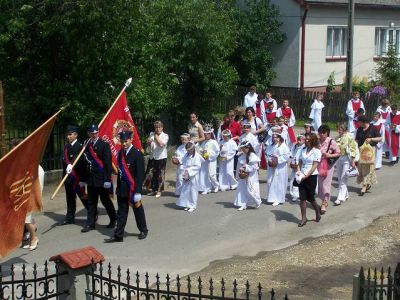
125,135
72,128
93,128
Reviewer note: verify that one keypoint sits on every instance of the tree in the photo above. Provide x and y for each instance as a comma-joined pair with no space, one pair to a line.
388,71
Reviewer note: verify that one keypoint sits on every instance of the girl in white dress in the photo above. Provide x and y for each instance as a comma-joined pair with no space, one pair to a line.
209,149
177,160
294,160
227,154
191,164
379,125
248,191
277,174
316,112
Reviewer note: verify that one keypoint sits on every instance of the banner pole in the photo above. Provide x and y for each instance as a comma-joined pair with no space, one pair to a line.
127,83
2,123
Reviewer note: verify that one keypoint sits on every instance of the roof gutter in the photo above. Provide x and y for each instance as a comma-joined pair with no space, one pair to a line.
303,44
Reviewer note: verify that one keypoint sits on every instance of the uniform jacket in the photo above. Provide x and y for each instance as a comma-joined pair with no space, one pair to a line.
72,152
135,162
94,176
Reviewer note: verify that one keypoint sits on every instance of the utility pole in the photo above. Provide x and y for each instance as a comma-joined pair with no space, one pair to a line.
2,123
349,60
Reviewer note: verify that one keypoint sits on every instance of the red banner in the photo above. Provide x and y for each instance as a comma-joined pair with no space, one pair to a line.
118,119
20,190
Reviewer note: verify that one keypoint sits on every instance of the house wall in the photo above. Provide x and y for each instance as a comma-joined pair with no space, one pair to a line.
317,69
287,55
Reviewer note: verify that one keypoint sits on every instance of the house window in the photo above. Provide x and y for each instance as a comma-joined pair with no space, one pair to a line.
384,37
336,45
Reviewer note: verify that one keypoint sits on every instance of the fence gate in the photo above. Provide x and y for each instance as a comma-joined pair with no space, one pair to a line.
104,286
30,283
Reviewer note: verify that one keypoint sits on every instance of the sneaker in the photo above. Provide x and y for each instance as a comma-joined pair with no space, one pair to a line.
241,208
233,187
158,195
151,194
344,199
294,199
204,193
186,209
337,202
216,190
191,209
275,204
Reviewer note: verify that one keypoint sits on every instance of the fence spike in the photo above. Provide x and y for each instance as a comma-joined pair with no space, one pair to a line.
259,291
247,289
211,288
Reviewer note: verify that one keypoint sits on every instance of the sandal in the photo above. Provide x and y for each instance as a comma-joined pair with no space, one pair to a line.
302,223
324,205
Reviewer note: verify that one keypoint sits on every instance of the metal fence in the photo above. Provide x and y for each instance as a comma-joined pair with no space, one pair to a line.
108,285
35,283
377,284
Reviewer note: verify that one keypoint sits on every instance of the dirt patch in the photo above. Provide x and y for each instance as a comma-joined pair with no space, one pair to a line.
320,268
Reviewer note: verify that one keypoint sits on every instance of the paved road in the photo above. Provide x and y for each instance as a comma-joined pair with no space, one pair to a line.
181,243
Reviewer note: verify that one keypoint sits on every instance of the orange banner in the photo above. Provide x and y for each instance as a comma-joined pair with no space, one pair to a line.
20,190
118,119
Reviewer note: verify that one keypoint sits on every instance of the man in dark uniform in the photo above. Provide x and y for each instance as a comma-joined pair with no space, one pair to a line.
129,188
72,184
98,178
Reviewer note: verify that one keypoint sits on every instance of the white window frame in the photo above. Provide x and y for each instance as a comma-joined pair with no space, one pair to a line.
383,37
336,42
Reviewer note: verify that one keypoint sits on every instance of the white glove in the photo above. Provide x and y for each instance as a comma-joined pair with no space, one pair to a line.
82,184
69,169
137,197
107,185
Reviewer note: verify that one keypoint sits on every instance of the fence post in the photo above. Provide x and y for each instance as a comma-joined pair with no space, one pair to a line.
356,287
77,263
396,283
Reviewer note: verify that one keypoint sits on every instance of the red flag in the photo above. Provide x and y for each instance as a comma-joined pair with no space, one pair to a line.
118,119
20,190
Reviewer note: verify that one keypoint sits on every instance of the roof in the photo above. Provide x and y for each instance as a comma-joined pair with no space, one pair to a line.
381,3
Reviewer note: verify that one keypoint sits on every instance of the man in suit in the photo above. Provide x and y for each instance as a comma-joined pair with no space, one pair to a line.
71,184
129,188
98,178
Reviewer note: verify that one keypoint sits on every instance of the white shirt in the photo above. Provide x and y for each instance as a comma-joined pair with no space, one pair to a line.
307,160
250,99
157,151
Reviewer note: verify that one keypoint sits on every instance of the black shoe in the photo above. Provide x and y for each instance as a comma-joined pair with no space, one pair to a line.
87,228
67,222
302,223
113,240
142,235
392,163
111,224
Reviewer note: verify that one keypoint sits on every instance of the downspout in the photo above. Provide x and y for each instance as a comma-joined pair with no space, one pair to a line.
303,45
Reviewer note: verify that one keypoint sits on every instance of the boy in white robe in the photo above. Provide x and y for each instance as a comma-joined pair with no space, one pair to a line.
316,112
210,152
177,160
284,130
191,164
248,190
227,154
277,174
351,111
385,110
294,160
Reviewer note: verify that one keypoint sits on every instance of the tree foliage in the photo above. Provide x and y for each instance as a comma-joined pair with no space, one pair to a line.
388,71
55,52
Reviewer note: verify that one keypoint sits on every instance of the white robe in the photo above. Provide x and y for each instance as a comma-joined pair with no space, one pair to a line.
316,114
248,191
294,159
379,146
208,173
179,154
251,138
387,110
226,176
189,190
250,99
351,116
388,123
277,178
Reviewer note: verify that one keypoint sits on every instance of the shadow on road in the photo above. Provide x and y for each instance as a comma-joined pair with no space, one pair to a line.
225,204
285,216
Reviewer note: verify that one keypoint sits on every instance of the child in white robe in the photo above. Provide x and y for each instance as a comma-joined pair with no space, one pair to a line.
294,160
227,154
209,151
248,190
277,174
316,112
379,125
284,130
191,164
177,160
247,135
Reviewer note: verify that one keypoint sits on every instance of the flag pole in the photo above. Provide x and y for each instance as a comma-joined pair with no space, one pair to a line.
127,83
36,130
2,123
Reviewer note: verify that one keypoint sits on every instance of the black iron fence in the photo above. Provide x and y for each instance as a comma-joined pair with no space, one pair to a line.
378,284
35,283
105,284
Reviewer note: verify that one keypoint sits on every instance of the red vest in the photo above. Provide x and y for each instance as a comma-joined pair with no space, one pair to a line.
286,112
394,119
355,106
270,115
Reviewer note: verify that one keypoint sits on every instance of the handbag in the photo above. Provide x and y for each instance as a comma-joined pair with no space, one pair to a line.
352,172
331,161
260,136
367,154
272,162
323,167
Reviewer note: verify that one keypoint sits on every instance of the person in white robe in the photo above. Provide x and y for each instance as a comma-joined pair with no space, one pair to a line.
226,165
316,112
210,152
247,135
177,160
294,160
351,111
284,130
385,110
379,125
277,174
251,97
248,190
191,164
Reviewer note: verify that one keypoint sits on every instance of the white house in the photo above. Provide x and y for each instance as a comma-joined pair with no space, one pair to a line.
316,43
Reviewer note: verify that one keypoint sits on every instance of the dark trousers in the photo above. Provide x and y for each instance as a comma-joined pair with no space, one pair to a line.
123,211
93,199
158,177
71,202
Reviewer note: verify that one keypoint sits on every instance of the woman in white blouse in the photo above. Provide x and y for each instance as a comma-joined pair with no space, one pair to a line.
306,176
